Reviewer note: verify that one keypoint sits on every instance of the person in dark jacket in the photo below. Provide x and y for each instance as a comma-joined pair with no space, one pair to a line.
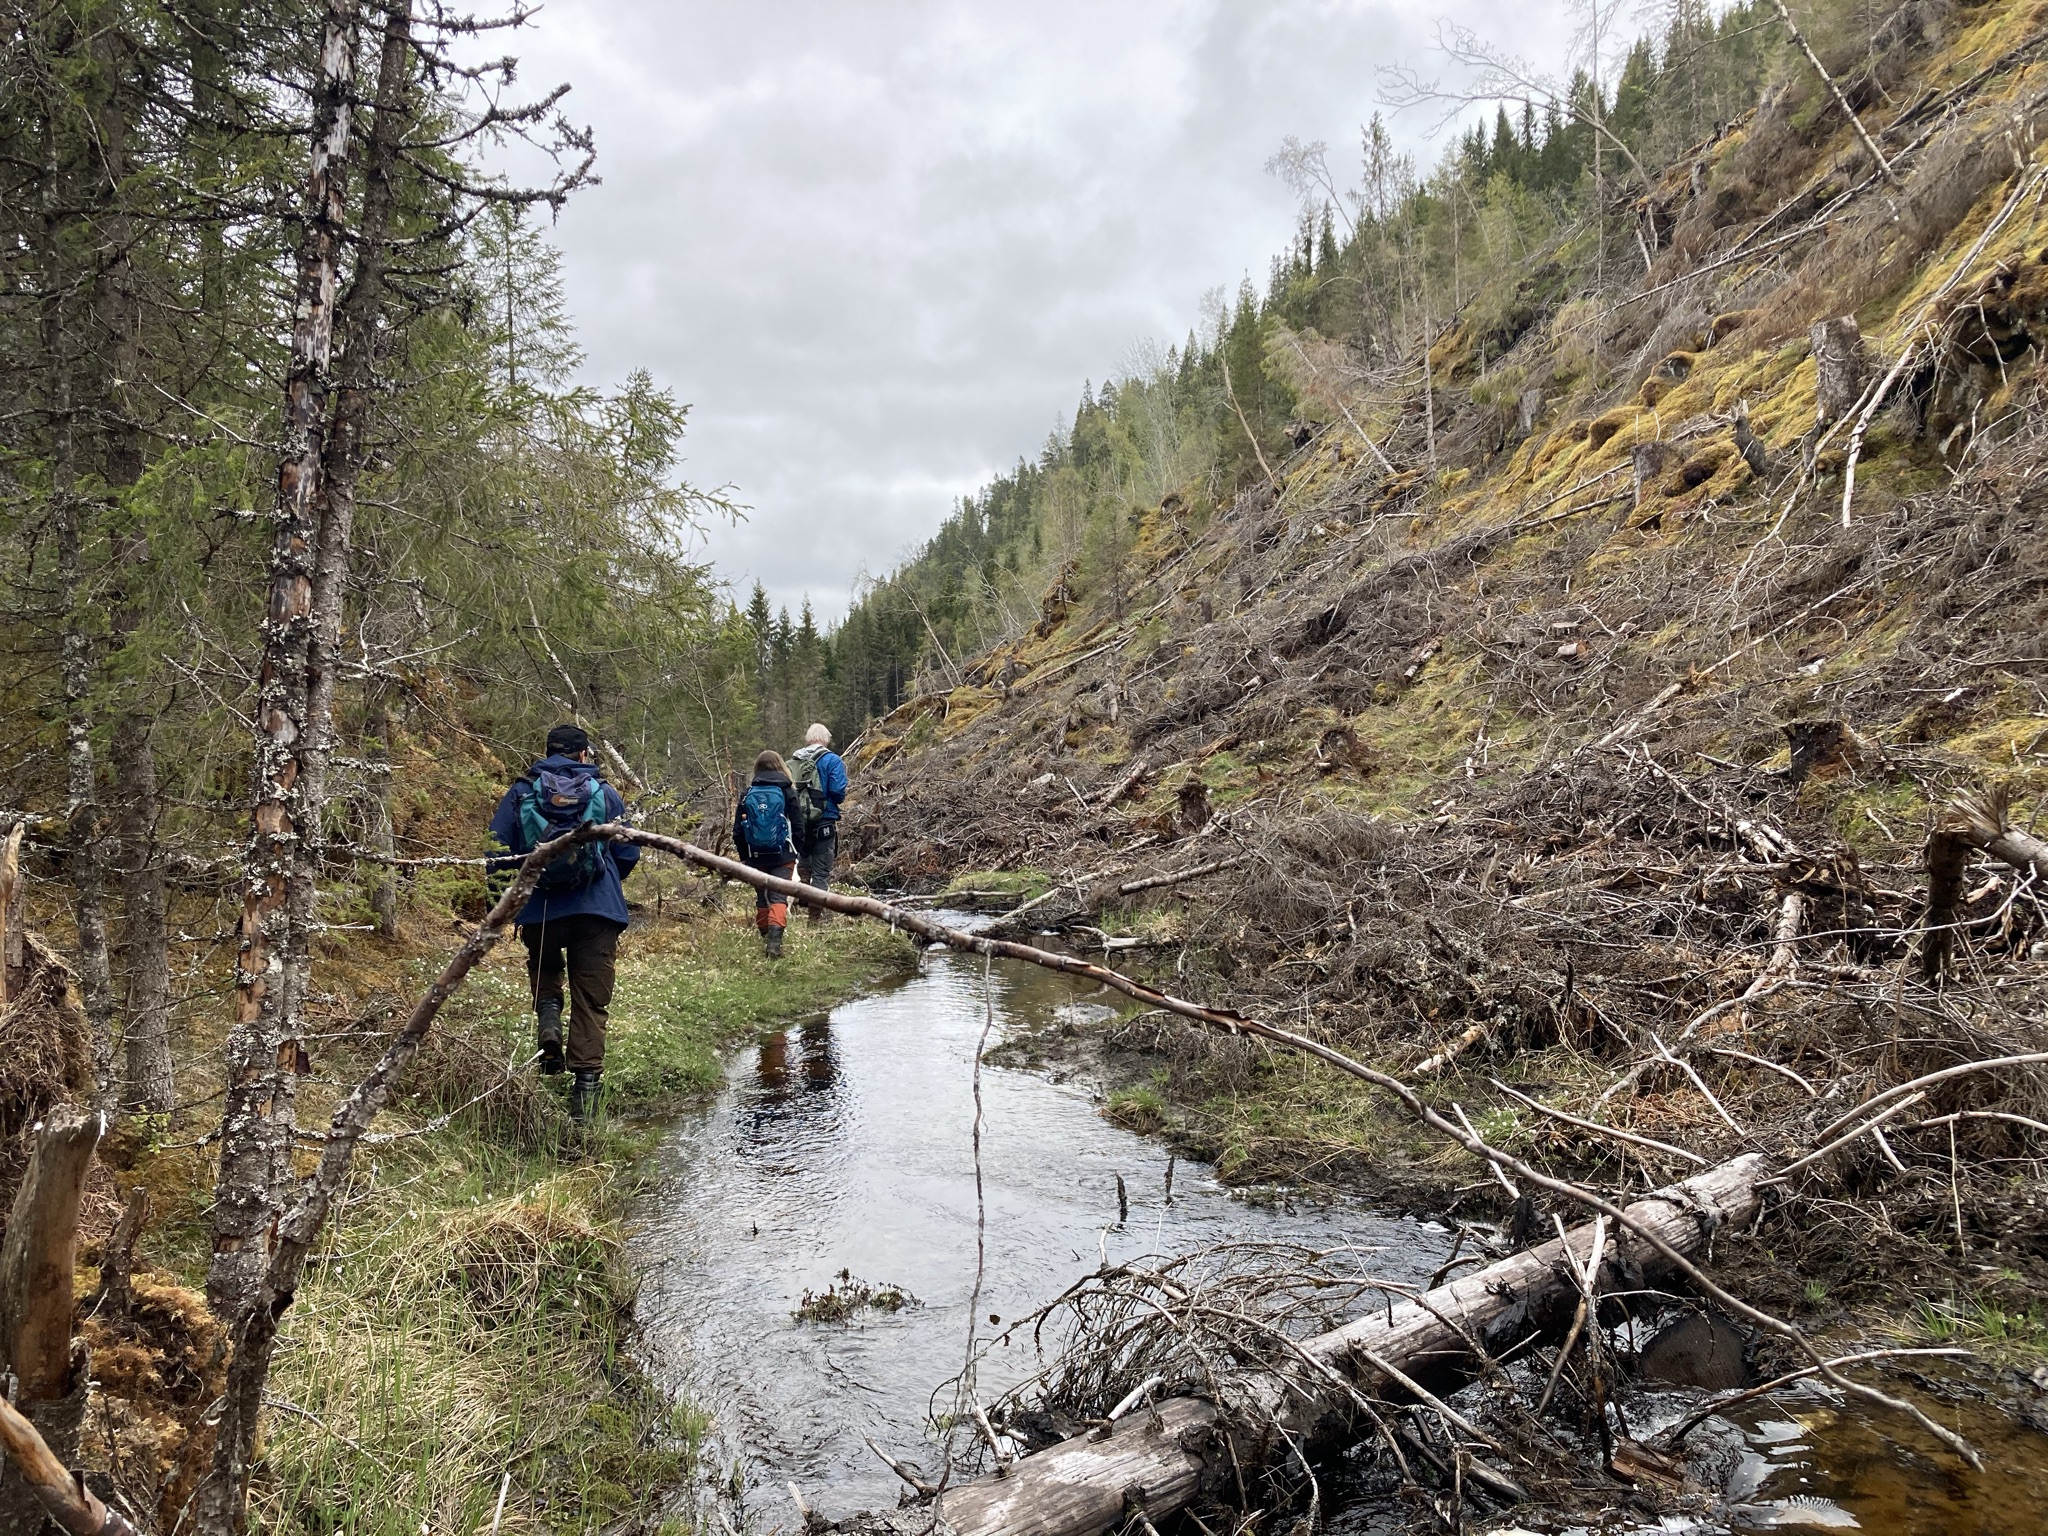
820,775
571,924
767,828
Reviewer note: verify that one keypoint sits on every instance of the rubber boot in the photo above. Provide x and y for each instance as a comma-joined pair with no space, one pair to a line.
773,936
549,1033
584,1091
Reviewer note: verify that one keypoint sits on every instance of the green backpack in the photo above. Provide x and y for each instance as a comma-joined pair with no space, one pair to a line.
810,794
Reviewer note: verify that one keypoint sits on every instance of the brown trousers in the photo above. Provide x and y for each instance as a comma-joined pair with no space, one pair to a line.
587,948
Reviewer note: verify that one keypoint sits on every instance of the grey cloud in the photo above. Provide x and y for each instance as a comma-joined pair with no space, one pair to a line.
878,246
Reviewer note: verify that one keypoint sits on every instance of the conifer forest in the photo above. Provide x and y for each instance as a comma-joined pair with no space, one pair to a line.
1510,759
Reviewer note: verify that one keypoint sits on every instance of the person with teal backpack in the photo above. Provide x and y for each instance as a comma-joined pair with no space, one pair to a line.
767,830
820,777
572,922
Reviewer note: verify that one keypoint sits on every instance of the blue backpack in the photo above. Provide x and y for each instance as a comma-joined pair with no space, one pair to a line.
553,803
764,820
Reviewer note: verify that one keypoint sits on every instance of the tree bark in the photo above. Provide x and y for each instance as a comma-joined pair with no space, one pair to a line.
257,1266
12,916
149,1082
87,854
36,1302
377,753
358,326
263,1049
1157,1461
75,1508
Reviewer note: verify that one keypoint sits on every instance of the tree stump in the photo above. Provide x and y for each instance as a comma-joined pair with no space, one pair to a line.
37,1307
1841,367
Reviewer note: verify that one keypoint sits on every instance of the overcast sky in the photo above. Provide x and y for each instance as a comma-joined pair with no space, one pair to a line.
878,245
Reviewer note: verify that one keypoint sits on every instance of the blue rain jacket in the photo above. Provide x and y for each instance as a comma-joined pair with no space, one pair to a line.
831,779
603,897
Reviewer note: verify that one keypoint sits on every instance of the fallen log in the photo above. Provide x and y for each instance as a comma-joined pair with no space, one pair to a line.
1157,1461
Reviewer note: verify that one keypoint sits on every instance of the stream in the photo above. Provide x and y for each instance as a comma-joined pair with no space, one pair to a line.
844,1145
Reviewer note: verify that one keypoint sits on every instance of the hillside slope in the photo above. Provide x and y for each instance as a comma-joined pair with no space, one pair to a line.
1574,710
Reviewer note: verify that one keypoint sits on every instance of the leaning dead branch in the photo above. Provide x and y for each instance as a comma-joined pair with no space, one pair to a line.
75,1508
1798,37
254,1333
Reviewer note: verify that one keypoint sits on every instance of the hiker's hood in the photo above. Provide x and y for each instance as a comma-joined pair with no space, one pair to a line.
557,762
782,780
815,749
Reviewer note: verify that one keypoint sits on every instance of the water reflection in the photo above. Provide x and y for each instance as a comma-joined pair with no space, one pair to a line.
845,1143
794,1105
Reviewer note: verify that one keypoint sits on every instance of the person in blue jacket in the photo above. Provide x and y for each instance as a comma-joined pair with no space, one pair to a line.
572,922
820,776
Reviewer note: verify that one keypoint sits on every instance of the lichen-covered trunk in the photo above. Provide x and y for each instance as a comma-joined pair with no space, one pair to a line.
256,1267
88,860
358,337
263,1047
146,1080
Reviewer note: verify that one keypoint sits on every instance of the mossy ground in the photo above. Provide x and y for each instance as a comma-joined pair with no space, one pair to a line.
467,1318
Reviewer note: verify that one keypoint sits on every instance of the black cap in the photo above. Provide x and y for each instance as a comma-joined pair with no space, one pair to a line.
568,740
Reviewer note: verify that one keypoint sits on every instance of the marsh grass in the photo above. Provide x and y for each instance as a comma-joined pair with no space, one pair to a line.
469,1316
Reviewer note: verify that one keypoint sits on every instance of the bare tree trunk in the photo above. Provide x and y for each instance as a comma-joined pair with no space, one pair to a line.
87,860
309,579
13,957
263,1049
377,752
1081,1486
36,1299
149,1080
357,330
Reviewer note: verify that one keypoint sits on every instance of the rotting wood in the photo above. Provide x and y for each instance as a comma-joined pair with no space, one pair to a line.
114,1296
37,1304
40,1253
1173,1451
1124,785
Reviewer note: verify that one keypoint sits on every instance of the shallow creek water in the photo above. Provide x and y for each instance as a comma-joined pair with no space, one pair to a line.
844,1144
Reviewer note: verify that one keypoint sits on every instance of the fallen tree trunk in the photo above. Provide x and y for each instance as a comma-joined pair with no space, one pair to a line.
1155,1462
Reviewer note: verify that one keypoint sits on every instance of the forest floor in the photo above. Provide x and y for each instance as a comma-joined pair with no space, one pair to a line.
468,1319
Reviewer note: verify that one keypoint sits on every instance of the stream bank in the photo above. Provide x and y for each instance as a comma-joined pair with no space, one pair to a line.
468,1317
838,1147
